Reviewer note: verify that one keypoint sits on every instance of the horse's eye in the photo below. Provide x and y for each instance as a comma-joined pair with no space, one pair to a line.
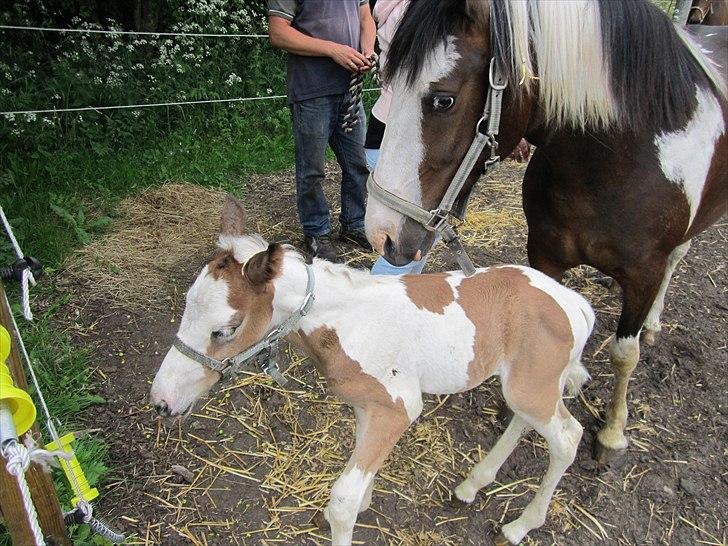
223,333
442,102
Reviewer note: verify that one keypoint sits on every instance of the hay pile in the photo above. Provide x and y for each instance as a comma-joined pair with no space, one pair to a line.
160,236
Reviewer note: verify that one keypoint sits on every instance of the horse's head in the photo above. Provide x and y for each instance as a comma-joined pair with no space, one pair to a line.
228,308
438,69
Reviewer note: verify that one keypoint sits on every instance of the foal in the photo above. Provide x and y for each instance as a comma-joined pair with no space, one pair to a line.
381,342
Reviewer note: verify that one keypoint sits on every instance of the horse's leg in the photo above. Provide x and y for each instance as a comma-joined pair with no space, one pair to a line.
484,472
562,433
381,428
652,326
639,294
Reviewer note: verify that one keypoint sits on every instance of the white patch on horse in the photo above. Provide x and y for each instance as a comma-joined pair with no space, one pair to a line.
685,155
402,150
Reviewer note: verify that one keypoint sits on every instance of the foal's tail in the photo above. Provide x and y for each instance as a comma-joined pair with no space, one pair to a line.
576,373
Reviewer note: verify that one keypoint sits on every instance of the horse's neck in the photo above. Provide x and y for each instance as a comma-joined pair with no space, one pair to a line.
337,288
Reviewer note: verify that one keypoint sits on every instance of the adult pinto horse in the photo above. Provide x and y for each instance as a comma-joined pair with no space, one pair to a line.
628,116
708,12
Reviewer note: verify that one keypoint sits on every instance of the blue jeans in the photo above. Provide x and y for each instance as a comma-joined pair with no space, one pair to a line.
316,124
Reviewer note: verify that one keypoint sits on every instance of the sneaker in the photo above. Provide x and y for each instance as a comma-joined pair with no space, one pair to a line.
320,246
355,236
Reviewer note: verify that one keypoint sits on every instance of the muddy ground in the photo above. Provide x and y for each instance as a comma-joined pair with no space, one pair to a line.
255,462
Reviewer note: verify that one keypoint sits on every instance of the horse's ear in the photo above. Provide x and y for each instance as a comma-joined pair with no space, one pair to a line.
233,217
264,266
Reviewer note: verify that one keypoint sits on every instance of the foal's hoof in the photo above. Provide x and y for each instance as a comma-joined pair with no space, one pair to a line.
607,456
501,540
319,520
649,337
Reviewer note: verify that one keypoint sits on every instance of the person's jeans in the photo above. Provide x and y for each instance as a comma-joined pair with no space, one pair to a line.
316,124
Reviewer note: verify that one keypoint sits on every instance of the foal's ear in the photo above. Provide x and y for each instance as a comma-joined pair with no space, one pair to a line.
233,217
265,266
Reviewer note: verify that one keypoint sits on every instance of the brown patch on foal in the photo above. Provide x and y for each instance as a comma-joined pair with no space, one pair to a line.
253,302
524,327
432,292
386,418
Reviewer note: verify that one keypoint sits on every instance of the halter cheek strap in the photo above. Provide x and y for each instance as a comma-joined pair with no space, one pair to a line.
437,220
263,354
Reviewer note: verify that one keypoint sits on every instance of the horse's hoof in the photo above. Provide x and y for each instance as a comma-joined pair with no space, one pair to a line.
319,520
649,337
607,456
501,540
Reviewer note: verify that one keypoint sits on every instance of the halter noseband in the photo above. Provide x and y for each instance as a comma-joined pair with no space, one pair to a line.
436,220
264,354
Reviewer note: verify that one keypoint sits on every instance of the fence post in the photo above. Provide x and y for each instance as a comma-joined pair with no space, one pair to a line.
41,485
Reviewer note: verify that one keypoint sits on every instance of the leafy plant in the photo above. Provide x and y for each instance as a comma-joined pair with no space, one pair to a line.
79,222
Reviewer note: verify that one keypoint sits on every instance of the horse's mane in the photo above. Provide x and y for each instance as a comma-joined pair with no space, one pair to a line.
598,63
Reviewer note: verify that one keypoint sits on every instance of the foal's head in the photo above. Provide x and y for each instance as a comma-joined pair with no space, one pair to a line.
228,308
438,69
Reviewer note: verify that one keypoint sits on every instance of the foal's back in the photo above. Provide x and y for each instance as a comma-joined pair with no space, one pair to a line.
508,320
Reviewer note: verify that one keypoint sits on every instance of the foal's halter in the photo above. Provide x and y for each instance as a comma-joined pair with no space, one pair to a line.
263,354
437,220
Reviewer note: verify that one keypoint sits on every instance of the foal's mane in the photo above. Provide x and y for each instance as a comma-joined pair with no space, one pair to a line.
599,63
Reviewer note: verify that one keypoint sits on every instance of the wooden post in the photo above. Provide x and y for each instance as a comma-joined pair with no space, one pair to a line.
41,485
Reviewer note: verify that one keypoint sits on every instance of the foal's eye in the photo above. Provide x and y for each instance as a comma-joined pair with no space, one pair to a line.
442,102
223,333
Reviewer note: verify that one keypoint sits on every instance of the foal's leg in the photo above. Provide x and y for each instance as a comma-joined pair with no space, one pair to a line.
484,472
361,422
639,294
563,433
652,325
381,428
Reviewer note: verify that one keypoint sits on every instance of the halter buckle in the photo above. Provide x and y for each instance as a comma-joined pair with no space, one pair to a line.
437,221
492,78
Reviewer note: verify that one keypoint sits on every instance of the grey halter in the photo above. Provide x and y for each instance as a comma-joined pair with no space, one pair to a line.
264,354
436,220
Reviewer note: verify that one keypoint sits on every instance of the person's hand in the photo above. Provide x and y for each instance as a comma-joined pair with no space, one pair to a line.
349,58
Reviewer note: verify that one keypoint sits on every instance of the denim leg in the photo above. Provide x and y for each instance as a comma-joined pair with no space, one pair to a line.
349,151
311,132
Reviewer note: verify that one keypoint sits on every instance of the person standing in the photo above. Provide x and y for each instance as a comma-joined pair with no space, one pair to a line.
327,41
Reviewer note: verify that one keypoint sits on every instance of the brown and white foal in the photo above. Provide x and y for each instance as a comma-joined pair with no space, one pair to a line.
381,342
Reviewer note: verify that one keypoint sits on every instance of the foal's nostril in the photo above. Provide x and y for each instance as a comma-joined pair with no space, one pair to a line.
163,409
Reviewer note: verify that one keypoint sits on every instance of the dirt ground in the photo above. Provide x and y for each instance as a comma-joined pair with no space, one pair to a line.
255,462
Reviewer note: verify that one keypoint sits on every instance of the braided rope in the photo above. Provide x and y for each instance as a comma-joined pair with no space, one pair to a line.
356,88
18,458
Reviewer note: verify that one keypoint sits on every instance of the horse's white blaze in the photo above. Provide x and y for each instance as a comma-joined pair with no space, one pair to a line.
402,150
685,155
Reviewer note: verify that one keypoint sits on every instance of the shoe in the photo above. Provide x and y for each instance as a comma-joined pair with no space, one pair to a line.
320,246
355,236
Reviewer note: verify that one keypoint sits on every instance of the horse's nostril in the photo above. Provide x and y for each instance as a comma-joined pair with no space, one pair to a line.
163,409
388,246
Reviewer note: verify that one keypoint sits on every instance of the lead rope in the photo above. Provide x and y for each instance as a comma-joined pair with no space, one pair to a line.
82,507
356,89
